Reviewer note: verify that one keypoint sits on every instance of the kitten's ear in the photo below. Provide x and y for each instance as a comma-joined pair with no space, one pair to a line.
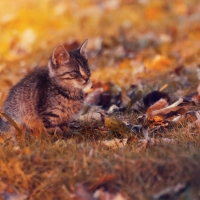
60,56
82,48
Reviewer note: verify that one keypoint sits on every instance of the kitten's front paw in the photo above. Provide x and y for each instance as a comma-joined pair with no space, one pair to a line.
64,128
55,131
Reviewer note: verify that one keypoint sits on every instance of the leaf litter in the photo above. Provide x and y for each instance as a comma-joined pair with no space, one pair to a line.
145,137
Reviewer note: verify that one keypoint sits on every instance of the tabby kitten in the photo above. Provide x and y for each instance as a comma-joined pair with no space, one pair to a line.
49,97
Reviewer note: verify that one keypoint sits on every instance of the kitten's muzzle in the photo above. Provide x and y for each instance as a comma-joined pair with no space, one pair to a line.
87,80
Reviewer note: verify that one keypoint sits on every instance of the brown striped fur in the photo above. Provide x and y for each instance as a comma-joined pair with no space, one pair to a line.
49,97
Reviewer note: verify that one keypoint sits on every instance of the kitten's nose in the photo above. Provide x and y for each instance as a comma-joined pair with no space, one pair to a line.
87,80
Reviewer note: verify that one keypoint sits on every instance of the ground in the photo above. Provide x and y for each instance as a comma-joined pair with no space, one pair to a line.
144,57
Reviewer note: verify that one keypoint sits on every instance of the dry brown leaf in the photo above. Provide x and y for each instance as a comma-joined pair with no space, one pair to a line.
92,116
93,193
177,118
115,143
196,123
194,118
162,103
170,191
112,109
93,98
82,193
196,96
157,108
102,181
100,194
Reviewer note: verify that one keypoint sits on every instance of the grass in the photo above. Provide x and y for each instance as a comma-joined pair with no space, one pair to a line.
45,169
143,44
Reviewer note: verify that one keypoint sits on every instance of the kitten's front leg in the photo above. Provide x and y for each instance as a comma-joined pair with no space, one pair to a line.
50,123
52,128
56,130
64,127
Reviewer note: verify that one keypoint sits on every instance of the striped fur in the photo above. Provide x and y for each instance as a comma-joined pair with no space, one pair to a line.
49,97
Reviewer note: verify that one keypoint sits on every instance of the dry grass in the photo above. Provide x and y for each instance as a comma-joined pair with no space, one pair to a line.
142,44
45,169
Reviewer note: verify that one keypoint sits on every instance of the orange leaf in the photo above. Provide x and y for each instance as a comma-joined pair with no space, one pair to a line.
159,63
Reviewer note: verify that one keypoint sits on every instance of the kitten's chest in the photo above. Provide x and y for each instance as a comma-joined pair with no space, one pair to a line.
70,107
65,108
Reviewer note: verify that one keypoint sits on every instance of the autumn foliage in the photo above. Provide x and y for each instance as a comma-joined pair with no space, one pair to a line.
138,134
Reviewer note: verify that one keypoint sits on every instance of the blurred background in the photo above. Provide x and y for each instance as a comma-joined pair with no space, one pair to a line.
126,37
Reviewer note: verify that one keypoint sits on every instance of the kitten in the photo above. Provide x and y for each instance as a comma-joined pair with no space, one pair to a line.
49,97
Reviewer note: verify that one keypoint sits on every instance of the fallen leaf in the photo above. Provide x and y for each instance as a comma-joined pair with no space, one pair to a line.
115,143
177,118
159,63
194,118
92,116
171,191
196,96
113,109
162,103
102,181
100,194
117,126
82,193
93,97
160,108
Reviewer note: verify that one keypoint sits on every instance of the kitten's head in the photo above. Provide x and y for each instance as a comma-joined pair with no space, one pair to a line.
70,68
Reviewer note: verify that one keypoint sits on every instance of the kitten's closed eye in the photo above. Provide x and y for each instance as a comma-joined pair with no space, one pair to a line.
75,74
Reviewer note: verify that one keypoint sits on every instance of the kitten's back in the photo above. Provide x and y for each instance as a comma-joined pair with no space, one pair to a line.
21,103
